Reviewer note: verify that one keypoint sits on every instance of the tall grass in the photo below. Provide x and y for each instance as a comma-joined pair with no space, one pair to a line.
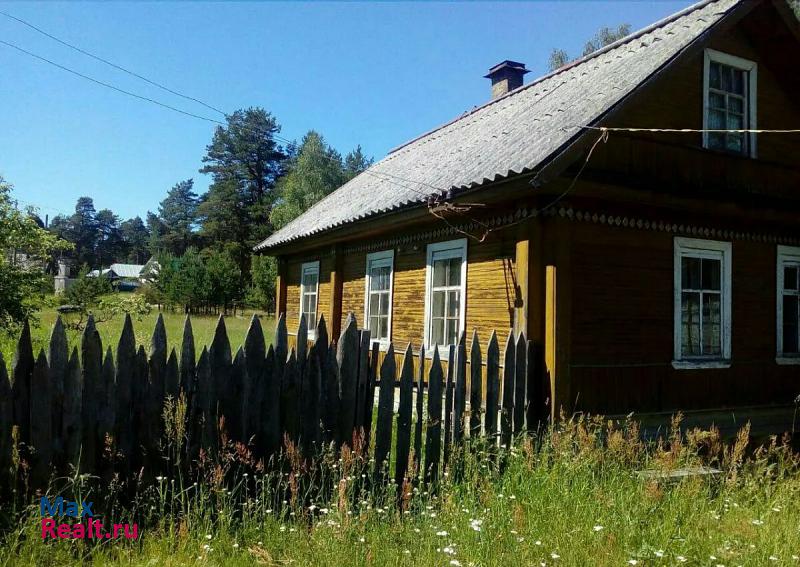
574,495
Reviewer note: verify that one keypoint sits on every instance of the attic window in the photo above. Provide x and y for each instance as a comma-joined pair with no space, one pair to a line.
730,103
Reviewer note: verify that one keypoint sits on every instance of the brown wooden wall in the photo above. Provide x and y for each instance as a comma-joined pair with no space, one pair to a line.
622,328
676,162
489,287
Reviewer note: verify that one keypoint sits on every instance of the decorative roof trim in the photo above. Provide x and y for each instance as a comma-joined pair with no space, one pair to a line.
597,217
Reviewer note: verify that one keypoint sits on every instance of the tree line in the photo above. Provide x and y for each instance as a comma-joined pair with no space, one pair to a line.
203,242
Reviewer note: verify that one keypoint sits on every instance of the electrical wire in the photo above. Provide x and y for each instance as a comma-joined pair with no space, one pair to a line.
110,63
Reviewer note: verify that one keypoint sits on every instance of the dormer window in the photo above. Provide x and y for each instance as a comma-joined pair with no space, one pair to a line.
730,103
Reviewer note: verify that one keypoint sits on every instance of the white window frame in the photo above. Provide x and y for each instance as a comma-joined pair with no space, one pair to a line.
751,67
309,267
444,250
785,255
698,248
380,259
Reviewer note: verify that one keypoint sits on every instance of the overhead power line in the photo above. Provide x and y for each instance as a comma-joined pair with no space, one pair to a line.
110,63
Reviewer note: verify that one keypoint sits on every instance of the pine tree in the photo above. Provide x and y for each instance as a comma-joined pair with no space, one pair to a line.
178,216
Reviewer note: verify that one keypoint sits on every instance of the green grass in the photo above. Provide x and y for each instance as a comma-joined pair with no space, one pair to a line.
203,327
573,500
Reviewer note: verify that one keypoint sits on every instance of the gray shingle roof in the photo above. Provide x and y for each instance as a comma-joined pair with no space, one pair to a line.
509,135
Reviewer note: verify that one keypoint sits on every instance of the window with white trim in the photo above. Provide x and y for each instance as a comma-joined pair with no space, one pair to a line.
730,103
446,280
702,302
788,307
378,295
309,293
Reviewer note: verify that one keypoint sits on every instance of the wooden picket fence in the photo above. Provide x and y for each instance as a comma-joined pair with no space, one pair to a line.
114,413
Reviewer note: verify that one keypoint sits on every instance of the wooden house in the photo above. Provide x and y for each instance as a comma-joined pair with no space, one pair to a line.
613,211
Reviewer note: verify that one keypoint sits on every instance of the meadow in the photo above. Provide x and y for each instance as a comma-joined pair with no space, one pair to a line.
202,325
573,496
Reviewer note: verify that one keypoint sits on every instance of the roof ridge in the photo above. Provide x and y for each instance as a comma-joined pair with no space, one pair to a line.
572,65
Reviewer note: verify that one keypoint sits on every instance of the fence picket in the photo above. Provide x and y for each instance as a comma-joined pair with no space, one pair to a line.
310,430
475,386
372,379
253,380
40,427
92,360
172,377
520,379
360,420
347,360
139,394
126,364
420,408
492,388
107,408
448,403
433,436
207,437
58,361
403,442
21,371
330,409
73,408
289,417
535,406
187,362
6,425
383,427
507,411
269,419
460,396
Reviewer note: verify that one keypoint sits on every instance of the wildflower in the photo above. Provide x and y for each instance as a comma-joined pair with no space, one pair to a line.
681,559
659,553
632,562
514,532
208,536
235,546
260,543
773,558
555,555
323,510
312,508
159,478
442,533
538,542
449,550
455,562
475,524
520,539
598,528
757,522
206,547
776,509
361,539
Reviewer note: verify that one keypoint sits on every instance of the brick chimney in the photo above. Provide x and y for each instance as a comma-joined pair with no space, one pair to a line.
506,76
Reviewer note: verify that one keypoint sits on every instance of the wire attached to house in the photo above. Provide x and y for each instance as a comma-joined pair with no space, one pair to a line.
689,130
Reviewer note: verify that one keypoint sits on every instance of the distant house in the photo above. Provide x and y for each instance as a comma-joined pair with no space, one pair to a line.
127,277
656,263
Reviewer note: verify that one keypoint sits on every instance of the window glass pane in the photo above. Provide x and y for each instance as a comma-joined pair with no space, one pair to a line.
737,81
437,332
384,328
379,278
453,303
311,320
690,324
374,326
712,324
439,272
736,122
711,274
725,76
716,100
374,304
714,76
452,330
310,280
384,304
690,273
790,324
790,277
455,272
735,142
716,120
438,303
736,104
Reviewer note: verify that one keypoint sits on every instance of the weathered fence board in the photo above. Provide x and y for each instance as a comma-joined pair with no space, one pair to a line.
105,410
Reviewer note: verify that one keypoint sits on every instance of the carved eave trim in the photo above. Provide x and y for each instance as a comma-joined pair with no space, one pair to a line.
500,222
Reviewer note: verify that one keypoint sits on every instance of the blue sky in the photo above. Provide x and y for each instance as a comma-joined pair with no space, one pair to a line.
370,74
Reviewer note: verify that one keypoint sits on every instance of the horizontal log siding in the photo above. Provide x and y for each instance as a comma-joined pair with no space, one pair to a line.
622,328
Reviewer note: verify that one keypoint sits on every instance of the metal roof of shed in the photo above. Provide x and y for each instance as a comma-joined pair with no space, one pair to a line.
510,135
